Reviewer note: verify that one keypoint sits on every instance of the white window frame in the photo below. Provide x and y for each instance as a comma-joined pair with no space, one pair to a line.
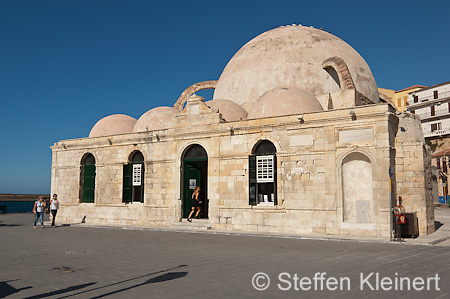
137,174
265,169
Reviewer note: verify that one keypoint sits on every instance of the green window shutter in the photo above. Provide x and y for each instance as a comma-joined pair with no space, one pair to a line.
127,183
88,183
252,180
275,202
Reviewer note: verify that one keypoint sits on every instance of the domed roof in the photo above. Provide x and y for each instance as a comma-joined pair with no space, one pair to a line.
155,119
230,110
284,101
292,56
113,125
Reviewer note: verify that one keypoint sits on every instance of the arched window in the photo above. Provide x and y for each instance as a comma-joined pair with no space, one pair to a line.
87,178
263,174
133,178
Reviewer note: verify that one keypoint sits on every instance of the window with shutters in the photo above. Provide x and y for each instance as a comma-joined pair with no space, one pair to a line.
433,111
433,127
435,94
87,178
133,179
264,169
263,174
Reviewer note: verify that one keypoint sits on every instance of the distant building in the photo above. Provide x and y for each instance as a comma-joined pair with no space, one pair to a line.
400,97
432,105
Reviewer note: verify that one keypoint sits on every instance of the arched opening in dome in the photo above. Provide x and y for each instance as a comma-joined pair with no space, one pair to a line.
87,178
194,173
263,174
333,73
133,178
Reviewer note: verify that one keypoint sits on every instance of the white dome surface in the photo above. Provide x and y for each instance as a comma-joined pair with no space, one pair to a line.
291,56
284,101
230,110
113,125
155,119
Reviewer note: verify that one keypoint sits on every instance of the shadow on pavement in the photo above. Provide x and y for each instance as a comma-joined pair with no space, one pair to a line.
62,291
438,225
6,289
160,278
3,224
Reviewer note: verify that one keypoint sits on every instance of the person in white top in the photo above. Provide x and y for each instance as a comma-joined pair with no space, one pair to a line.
54,206
38,210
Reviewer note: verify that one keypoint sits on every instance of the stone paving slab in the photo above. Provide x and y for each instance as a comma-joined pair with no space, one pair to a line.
89,262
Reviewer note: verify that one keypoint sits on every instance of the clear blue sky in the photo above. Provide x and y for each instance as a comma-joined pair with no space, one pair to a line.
66,64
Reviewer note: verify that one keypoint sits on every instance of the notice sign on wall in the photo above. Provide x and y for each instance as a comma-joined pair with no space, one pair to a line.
137,174
192,183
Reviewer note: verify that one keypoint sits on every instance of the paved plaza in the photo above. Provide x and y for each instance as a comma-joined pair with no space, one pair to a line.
90,262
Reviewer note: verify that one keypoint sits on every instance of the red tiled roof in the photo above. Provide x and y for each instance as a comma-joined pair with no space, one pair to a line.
411,87
441,152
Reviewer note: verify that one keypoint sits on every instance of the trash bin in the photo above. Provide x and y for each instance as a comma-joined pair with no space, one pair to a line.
411,227
441,199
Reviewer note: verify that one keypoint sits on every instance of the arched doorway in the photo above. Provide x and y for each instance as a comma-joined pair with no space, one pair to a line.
194,173
87,178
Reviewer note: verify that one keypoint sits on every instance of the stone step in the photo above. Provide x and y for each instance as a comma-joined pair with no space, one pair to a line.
196,224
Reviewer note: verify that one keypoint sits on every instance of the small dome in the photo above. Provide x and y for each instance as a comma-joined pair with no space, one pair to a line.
230,110
113,125
155,119
284,101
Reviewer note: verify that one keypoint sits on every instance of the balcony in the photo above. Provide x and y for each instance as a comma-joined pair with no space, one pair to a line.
439,113
428,101
436,133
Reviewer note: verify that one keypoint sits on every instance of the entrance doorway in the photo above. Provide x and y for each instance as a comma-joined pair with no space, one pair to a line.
195,173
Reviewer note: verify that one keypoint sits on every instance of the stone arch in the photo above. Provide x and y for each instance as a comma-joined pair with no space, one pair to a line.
358,196
211,84
256,140
132,157
264,146
336,66
88,159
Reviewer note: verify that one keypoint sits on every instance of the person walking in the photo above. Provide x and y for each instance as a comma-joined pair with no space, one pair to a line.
196,203
54,206
38,210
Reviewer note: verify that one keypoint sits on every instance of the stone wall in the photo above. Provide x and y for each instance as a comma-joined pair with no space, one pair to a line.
413,174
310,156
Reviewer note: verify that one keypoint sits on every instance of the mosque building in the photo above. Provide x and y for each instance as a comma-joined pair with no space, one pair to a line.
295,140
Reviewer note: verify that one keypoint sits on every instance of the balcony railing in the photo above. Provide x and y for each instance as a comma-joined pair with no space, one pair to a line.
434,133
428,100
437,112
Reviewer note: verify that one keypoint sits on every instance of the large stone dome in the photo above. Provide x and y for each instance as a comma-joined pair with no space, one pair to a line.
155,119
284,101
113,125
295,56
230,110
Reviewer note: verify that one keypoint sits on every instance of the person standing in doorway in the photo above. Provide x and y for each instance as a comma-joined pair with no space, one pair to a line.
196,203
38,210
54,206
